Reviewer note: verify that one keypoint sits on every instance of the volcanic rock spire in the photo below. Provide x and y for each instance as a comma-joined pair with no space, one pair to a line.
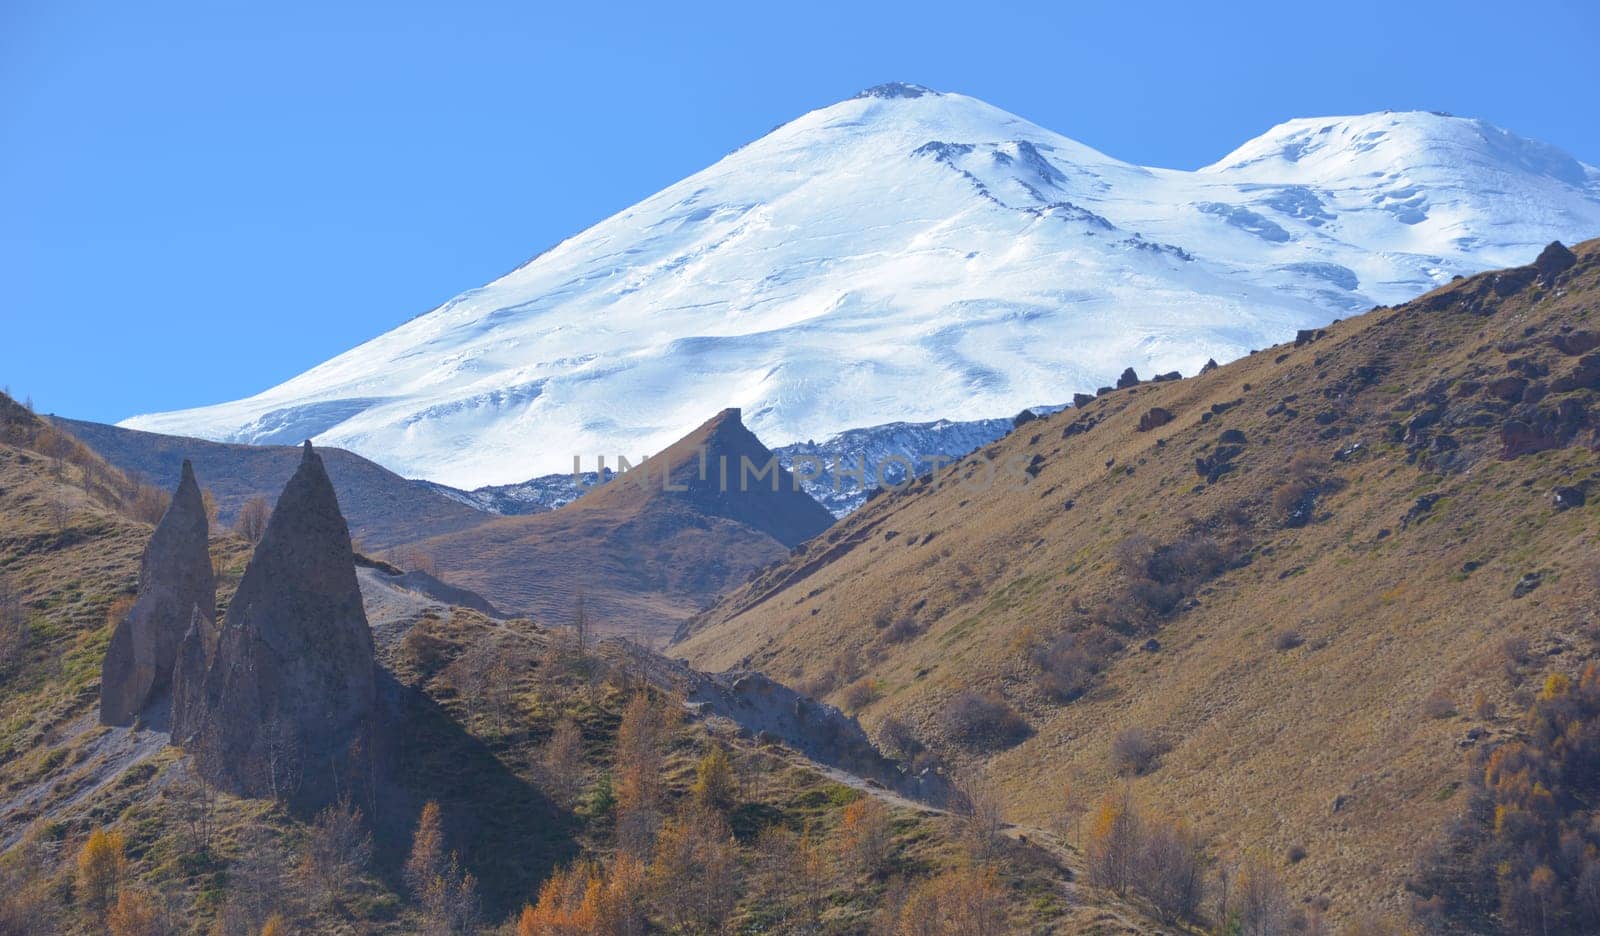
286,703
177,589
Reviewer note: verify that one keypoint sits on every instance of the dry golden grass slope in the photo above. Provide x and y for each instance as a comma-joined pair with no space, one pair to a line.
479,699
1344,738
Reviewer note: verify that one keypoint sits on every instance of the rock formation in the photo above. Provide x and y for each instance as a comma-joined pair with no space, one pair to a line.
286,704
1554,260
1154,418
177,590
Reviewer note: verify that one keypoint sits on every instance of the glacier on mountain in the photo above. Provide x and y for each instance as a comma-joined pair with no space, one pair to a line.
912,255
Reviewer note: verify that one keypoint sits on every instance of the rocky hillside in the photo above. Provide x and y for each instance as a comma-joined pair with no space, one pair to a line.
647,549
1287,599
522,753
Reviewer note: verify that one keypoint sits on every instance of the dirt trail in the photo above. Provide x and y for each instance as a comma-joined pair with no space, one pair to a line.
767,710
823,739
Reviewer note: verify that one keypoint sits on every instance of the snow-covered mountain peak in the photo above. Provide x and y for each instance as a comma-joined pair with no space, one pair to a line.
913,255
898,89
1323,148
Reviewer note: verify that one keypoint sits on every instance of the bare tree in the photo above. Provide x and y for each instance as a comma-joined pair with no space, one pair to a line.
1113,847
61,510
956,903
195,803
982,820
470,675
252,520
411,558
562,760
866,836
501,694
448,895
1263,905
695,872
1071,813
336,853
280,761
1170,870
640,741
258,884
580,625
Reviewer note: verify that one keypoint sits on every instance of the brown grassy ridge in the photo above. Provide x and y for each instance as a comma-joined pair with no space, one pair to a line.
646,554
62,776
1313,688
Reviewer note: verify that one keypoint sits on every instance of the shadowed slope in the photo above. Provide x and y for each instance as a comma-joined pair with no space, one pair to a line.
383,508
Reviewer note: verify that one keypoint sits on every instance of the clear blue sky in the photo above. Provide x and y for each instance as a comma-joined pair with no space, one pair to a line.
202,199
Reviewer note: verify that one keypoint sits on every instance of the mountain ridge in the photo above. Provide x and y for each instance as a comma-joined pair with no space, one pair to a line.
915,255
648,548
1307,592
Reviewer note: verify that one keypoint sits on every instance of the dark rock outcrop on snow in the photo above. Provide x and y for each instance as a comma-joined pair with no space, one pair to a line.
177,590
287,702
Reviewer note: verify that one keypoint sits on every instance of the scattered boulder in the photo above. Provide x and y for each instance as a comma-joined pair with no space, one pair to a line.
1080,400
1585,376
1218,463
1167,377
1554,260
1128,379
1419,423
1232,437
1209,366
1577,342
1528,367
1510,282
1154,418
1023,418
1539,428
1307,335
1079,427
1527,584
1508,388
1420,509
1566,498
177,590
287,702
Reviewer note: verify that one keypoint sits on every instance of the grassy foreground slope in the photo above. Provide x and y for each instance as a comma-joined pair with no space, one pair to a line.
538,755
1285,599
